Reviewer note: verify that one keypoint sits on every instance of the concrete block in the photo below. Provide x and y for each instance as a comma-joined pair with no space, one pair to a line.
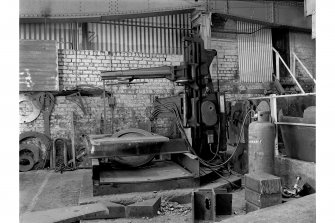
262,200
263,183
251,207
147,208
115,211
66,214
288,169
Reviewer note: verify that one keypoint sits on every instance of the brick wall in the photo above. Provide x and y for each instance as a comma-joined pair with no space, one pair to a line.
132,103
304,47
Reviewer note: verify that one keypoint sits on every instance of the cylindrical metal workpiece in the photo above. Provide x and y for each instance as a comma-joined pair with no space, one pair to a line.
261,147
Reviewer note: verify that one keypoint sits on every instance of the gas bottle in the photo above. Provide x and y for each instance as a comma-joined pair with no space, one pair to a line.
261,145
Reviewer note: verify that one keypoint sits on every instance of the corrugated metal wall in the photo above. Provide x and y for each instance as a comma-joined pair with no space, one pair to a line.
161,34
63,33
254,52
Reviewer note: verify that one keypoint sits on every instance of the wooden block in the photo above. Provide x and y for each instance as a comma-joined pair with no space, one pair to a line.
147,208
263,183
251,207
64,215
262,200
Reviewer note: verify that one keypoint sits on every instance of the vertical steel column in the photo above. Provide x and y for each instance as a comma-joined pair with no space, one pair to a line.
277,66
104,97
273,108
73,138
293,65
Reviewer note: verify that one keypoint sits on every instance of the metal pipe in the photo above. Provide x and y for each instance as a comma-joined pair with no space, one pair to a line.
145,26
105,113
297,124
155,72
73,139
283,96
185,108
273,109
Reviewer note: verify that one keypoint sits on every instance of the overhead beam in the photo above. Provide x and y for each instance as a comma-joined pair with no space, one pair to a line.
96,10
101,18
275,13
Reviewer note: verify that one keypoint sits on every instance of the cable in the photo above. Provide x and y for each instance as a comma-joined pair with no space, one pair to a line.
222,164
172,107
223,177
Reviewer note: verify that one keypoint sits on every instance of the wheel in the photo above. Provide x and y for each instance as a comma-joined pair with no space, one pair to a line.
26,162
132,161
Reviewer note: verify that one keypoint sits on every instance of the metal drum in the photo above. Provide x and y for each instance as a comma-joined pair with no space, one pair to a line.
261,147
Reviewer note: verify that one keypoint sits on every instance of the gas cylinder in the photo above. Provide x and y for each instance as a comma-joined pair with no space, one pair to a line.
261,145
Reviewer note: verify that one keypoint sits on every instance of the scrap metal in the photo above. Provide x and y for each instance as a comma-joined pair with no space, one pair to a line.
32,115
76,98
45,101
44,139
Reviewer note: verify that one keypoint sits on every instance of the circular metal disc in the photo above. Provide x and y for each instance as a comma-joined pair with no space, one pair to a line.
132,161
32,115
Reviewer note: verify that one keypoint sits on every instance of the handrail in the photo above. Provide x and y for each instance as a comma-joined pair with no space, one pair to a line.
303,66
295,124
288,69
283,96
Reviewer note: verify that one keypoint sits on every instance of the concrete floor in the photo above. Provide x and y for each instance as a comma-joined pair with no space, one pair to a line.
41,190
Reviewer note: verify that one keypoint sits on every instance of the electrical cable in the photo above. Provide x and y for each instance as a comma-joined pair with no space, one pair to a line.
223,177
172,107
222,164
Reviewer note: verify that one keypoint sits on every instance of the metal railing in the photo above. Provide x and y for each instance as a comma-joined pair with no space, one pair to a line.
296,58
279,58
274,118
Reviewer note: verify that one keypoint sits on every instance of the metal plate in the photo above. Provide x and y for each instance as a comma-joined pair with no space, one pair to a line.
158,171
208,113
32,115
38,65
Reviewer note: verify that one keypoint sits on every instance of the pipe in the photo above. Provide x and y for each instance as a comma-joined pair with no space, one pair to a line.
296,124
283,96
146,73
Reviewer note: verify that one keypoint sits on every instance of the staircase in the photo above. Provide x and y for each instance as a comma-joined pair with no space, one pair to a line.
292,84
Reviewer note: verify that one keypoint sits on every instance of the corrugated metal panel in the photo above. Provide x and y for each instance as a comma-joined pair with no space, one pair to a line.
61,32
254,53
160,34
38,65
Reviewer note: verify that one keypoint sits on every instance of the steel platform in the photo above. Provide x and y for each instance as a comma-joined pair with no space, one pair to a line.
183,172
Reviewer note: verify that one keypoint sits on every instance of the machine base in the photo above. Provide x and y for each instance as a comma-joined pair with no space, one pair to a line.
160,175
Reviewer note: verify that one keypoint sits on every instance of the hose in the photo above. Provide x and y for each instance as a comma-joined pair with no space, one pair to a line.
172,107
